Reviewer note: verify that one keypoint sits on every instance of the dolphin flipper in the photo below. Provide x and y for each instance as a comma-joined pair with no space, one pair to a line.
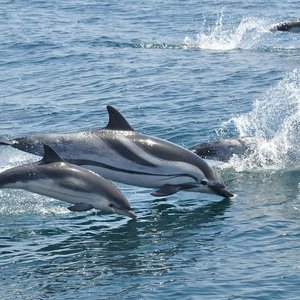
166,190
169,189
80,207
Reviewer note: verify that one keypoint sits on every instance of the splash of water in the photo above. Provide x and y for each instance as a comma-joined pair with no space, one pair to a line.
246,35
276,117
11,157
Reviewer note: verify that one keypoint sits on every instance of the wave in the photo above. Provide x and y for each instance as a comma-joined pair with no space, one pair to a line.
275,116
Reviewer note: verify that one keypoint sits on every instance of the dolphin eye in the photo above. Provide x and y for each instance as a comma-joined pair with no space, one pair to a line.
111,205
204,182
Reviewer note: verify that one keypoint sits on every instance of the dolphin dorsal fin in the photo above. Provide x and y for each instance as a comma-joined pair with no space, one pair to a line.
116,120
50,156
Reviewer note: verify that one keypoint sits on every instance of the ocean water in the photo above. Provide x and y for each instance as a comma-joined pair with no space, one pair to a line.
185,71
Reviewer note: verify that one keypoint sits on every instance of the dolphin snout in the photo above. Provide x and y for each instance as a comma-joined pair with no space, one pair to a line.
131,214
221,191
125,212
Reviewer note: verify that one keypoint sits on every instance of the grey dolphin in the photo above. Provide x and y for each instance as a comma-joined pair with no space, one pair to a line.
223,150
291,26
121,154
57,179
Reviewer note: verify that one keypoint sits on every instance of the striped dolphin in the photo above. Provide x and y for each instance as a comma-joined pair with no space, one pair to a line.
121,154
57,179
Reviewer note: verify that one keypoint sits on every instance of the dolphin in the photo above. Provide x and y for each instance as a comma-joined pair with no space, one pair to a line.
121,154
291,26
55,178
223,150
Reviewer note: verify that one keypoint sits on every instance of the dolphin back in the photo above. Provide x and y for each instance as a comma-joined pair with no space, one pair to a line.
290,26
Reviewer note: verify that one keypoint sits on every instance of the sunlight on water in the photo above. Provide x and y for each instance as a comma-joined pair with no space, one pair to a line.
276,117
219,37
17,202
11,157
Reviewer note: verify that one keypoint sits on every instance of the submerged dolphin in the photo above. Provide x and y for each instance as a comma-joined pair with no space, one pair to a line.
223,150
121,154
291,26
55,178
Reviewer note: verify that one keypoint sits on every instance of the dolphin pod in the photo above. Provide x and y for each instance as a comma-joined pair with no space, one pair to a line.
121,154
291,26
57,179
224,150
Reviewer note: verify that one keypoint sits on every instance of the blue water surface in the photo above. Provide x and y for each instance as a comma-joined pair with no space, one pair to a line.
185,71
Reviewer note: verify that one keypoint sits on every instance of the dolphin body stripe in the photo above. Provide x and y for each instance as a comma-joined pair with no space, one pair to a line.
119,148
127,153
81,162
119,153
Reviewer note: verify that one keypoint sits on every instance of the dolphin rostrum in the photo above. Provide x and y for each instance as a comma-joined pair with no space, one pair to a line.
121,154
291,26
57,179
224,150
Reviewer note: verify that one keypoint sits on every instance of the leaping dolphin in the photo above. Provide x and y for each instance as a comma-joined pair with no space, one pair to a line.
121,154
57,179
291,26
224,150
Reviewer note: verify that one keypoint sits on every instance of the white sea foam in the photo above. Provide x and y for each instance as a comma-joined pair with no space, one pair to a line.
245,35
276,117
